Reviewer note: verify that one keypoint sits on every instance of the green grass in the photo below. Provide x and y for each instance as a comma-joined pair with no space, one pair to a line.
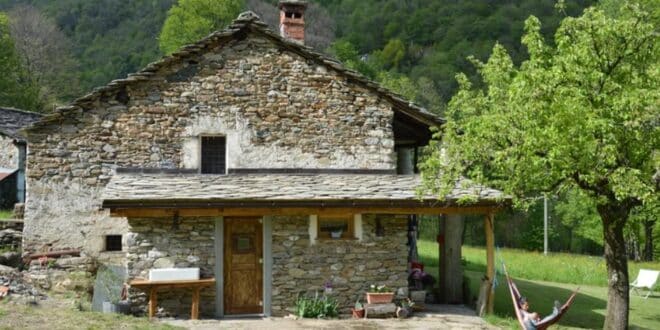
5,214
539,278
64,316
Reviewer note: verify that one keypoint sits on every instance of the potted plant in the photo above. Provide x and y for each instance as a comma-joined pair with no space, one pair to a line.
379,294
358,310
336,233
405,309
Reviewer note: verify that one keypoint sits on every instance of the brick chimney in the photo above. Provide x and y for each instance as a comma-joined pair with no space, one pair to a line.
292,20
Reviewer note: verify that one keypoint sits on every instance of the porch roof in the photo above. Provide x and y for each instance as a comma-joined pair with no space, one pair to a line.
140,190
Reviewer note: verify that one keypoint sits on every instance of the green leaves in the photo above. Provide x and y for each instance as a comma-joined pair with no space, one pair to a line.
578,114
17,88
191,20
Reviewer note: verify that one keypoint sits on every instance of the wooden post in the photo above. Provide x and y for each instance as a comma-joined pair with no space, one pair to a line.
441,257
153,301
490,259
194,309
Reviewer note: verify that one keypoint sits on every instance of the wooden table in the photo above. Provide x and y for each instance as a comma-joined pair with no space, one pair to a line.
152,286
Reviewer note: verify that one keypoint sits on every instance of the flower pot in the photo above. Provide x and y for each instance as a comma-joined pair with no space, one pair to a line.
380,297
402,312
358,313
335,234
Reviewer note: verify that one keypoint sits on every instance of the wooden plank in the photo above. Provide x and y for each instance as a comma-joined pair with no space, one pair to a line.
490,258
262,211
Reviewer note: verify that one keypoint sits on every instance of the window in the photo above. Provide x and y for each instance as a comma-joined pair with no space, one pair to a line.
213,155
113,243
335,227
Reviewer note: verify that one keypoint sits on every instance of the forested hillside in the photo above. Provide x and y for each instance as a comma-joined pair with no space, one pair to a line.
427,41
415,47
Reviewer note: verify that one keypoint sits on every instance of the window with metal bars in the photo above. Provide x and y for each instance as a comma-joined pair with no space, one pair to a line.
113,243
214,155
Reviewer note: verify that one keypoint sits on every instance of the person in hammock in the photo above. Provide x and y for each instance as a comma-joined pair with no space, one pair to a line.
531,319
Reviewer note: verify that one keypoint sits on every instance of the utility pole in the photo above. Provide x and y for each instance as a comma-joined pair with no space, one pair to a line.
545,225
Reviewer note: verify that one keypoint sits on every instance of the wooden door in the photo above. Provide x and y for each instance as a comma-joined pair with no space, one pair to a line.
243,272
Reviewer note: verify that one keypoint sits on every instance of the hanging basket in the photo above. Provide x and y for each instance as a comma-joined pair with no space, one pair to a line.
380,297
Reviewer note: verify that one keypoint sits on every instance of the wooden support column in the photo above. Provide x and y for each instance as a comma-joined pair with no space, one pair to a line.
452,266
490,259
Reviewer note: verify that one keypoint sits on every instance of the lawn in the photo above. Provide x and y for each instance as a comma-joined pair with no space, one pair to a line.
5,214
528,268
61,314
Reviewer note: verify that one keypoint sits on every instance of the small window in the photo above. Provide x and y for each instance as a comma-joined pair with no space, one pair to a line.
337,227
243,244
213,155
113,243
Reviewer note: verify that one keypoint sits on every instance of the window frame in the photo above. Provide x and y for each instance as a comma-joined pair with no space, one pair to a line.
349,234
201,152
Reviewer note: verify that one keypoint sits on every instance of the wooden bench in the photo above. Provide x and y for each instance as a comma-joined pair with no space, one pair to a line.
152,287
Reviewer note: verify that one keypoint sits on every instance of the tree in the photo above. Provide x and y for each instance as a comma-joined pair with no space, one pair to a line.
582,114
191,20
45,53
16,87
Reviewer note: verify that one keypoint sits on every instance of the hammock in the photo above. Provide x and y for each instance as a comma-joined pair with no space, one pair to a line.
515,296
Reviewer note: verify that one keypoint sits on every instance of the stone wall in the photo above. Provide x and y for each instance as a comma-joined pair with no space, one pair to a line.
8,153
276,109
153,243
351,266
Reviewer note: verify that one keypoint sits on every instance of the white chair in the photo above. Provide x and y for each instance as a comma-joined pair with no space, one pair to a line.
645,279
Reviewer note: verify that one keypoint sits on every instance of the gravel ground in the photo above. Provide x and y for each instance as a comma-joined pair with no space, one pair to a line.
441,317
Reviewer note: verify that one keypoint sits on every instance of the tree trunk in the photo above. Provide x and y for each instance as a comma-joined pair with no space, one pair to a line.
648,244
614,216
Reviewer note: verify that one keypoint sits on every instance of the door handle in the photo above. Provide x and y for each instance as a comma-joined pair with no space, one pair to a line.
261,261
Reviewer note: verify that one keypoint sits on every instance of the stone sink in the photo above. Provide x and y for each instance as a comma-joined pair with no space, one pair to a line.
173,274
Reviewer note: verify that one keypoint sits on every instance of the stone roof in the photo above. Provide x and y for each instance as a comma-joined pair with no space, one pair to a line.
247,22
12,120
240,189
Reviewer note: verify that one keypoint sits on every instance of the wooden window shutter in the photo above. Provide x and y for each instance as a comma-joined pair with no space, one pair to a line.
214,155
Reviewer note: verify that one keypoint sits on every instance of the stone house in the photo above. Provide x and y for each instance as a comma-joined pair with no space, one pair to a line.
269,166
12,155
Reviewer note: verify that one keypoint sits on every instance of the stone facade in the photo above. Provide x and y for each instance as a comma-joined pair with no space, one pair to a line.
276,109
299,266
153,243
351,266
8,153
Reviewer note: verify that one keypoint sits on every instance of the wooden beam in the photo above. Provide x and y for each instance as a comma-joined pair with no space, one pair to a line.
261,211
490,259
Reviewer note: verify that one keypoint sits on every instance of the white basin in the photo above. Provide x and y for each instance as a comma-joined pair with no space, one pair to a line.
173,274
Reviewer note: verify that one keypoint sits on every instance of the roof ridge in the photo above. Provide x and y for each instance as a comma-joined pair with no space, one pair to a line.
27,112
244,20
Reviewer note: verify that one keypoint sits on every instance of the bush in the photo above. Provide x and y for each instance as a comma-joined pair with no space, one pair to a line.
316,307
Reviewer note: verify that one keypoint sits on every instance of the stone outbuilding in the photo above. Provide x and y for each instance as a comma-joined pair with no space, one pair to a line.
13,148
268,166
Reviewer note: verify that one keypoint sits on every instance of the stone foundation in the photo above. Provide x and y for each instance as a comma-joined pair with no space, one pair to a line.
154,243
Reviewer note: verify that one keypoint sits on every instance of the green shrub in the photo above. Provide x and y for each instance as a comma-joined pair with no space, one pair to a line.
316,307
